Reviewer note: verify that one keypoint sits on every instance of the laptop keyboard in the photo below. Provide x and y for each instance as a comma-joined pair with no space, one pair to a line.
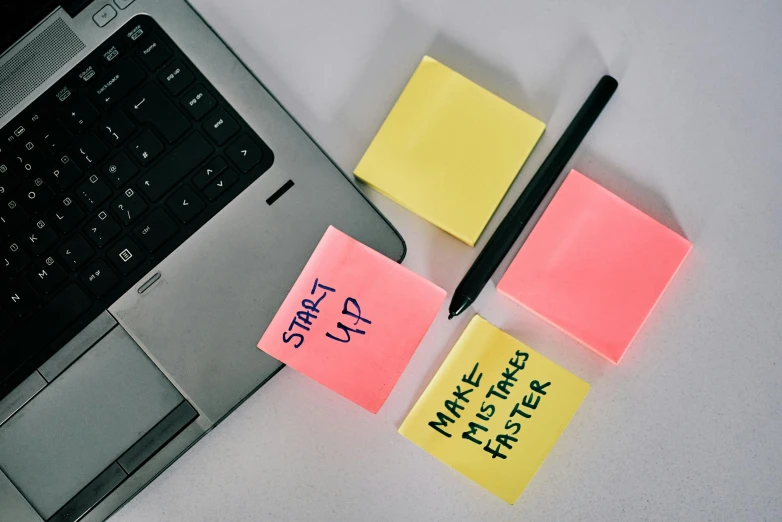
102,177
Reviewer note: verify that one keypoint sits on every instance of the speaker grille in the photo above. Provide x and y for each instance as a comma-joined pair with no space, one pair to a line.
36,63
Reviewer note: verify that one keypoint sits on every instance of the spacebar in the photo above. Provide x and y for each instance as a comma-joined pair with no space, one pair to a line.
43,327
185,157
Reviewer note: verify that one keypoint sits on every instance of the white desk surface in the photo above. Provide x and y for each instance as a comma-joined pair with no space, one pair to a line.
688,427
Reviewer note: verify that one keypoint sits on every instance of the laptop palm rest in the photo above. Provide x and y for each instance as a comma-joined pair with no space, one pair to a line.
86,431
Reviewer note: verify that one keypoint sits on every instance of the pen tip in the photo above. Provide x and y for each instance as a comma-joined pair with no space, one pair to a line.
450,315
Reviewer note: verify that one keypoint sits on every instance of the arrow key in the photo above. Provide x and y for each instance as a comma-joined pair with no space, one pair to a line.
185,204
206,174
244,153
220,185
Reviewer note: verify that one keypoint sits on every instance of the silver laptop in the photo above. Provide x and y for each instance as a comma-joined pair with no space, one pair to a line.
156,205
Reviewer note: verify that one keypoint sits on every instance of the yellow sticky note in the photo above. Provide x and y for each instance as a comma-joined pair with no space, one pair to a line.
494,409
449,150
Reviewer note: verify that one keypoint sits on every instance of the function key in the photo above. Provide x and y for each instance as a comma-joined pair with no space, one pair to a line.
115,128
244,153
88,70
125,255
99,279
198,102
220,126
62,93
153,52
145,147
175,77
111,52
135,31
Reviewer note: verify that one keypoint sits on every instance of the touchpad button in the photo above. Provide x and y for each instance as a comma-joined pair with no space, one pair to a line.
83,421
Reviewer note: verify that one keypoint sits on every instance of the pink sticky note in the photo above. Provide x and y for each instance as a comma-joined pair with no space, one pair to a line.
594,266
352,320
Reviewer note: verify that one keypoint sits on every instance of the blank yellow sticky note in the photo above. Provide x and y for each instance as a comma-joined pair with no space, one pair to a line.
494,409
449,150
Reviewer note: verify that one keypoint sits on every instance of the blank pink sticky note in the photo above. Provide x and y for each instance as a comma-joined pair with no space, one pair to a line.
594,266
352,320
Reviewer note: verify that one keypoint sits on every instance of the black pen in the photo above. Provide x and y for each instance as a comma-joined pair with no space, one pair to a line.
509,230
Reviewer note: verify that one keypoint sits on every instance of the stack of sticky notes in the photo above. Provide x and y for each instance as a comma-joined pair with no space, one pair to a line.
594,266
352,320
449,150
494,409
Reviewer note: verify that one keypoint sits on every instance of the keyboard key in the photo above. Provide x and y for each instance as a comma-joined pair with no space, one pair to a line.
101,229
176,77
39,237
119,170
115,129
125,255
221,127
150,105
145,147
6,319
13,260
153,53
55,137
88,70
185,204
99,279
154,230
129,206
88,151
63,173
11,217
8,182
116,83
212,169
20,300
42,327
198,102
220,185
79,114
93,192
244,153
66,215
28,161
75,252
47,276
179,163
111,52
35,195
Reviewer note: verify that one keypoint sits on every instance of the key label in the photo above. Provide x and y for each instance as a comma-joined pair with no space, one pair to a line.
125,255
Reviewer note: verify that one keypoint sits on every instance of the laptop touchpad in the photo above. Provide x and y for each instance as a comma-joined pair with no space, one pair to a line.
83,421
